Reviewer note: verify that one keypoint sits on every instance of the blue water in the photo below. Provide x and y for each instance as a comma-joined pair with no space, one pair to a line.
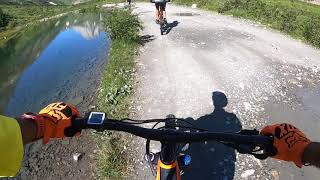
68,69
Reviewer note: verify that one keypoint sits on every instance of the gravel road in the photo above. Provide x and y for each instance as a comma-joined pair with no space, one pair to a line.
266,76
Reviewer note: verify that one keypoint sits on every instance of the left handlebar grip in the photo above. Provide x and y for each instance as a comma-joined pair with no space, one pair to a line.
76,126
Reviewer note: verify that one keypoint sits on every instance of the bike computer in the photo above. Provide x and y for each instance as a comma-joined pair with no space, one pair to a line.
96,118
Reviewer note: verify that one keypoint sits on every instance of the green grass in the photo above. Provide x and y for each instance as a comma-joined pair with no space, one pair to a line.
116,88
298,19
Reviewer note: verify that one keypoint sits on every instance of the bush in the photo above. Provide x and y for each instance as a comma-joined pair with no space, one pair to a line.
122,25
312,32
4,19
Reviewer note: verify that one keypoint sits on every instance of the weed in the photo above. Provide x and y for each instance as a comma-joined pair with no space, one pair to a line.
123,25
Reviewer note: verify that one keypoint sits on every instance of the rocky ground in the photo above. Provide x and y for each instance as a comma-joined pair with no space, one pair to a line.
267,77
67,159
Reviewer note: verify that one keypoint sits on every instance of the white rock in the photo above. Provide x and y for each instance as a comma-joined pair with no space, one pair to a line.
275,174
247,106
241,85
76,156
194,6
247,173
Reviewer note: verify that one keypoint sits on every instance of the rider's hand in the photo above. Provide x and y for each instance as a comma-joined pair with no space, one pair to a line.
53,120
289,141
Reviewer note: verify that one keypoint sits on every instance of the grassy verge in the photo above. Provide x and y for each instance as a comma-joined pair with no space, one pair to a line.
116,87
298,19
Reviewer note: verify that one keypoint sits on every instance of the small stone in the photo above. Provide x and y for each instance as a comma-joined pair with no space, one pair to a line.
77,156
247,173
241,85
275,174
247,106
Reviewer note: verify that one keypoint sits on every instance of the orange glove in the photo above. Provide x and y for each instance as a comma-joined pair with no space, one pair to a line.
53,120
289,141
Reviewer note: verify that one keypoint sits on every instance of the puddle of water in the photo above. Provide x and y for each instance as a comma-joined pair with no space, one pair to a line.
186,14
60,60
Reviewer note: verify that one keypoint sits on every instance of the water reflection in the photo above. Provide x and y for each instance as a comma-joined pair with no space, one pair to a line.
52,62
88,30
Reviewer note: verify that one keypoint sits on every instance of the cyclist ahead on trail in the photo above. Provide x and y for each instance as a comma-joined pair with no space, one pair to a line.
54,121
129,2
160,9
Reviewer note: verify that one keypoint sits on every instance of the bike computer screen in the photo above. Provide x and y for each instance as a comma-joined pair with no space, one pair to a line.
96,118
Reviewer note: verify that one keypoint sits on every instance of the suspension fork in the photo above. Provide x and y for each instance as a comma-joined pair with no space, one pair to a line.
167,166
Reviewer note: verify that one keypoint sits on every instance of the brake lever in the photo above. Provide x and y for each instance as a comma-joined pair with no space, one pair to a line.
253,149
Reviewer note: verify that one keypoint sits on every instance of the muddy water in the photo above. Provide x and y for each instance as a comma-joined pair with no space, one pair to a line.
305,115
58,60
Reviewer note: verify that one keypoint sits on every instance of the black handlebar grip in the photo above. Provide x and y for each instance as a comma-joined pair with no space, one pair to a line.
76,126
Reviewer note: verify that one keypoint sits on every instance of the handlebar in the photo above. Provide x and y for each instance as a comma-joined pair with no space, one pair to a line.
243,141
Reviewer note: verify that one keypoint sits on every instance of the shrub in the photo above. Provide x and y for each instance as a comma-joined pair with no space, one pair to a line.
312,31
121,24
4,19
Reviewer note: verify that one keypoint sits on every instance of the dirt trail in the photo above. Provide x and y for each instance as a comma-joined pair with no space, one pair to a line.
266,76
313,1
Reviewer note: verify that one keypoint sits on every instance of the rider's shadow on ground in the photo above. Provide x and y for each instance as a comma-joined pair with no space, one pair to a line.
169,27
212,160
